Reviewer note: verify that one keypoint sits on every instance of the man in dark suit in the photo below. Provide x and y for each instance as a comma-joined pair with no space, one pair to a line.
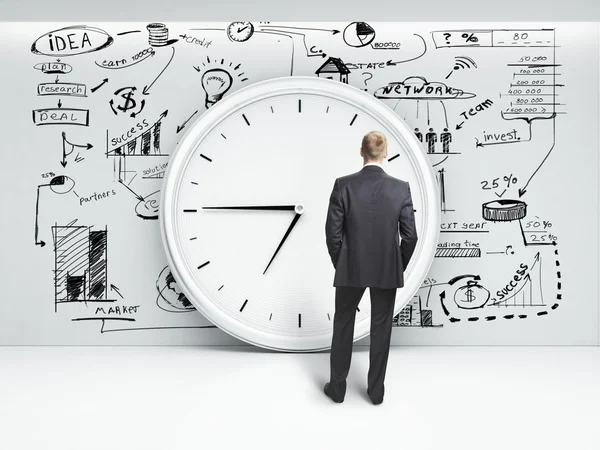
368,210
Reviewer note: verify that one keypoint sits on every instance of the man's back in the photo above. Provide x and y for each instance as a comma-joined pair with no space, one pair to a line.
367,211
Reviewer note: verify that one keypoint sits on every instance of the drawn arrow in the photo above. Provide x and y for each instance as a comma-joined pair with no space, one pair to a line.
143,103
182,126
94,89
64,152
65,141
445,113
147,88
459,125
524,188
86,146
116,289
112,103
389,62
139,197
333,32
59,103
460,277
309,53
37,209
56,81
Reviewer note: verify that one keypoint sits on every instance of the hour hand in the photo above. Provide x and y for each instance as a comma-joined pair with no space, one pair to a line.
256,208
285,236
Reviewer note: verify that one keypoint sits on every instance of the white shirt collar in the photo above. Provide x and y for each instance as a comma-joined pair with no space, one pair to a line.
373,164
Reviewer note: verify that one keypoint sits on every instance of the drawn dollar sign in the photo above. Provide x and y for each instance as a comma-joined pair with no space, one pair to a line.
130,103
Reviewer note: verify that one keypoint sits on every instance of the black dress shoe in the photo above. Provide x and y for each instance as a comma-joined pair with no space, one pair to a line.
376,401
330,394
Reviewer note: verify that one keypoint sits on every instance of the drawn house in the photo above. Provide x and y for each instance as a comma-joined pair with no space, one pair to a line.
334,69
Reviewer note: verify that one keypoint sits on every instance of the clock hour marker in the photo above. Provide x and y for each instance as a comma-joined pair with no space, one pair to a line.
327,109
206,157
203,264
353,119
221,287
299,320
357,309
246,119
272,109
270,316
194,238
299,105
193,182
223,136
190,210
394,157
244,305
328,316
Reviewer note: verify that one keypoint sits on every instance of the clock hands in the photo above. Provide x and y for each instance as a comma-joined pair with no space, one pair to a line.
289,230
256,208
299,209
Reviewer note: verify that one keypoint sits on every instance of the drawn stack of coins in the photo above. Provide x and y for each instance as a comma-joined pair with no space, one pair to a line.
158,34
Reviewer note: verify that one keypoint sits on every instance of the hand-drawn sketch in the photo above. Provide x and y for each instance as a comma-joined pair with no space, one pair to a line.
124,101
334,69
158,35
70,41
68,148
143,140
59,185
358,34
217,81
240,31
487,105
462,62
170,298
80,263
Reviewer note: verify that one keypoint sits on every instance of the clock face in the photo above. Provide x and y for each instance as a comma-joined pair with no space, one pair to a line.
235,185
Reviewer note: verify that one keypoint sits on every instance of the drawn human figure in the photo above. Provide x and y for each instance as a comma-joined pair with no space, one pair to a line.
418,134
445,139
431,138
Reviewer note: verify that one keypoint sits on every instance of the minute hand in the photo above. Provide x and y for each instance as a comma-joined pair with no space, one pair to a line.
256,208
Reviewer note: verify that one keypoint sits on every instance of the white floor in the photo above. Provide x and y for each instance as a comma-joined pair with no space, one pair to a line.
146,398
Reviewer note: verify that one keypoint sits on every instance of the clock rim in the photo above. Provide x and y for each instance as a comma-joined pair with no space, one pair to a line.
275,87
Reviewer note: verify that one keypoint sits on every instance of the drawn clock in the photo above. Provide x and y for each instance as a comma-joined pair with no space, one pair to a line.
245,199
240,31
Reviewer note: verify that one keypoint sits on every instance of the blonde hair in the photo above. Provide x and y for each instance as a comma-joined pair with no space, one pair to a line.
374,145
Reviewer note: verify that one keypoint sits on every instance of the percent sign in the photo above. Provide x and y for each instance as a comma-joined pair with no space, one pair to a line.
509,180
470,37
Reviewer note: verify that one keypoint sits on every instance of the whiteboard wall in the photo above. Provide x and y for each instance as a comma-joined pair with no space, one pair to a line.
507,113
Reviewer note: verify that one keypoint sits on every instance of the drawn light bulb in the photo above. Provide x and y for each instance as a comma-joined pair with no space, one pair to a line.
215,82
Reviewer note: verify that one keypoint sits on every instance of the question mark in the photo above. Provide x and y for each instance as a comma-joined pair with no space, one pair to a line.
511,251
447,36
367,79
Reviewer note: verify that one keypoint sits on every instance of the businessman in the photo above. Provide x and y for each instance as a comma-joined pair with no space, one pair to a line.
368,211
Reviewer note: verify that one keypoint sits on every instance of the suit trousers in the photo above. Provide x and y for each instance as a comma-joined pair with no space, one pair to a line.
382,312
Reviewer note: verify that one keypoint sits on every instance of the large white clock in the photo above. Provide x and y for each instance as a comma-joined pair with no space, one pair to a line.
245,199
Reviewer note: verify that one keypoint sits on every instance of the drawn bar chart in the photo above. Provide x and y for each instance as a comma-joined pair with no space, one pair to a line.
413,315
80,256
146,144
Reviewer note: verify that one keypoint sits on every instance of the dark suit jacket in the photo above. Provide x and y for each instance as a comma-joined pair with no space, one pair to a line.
367,211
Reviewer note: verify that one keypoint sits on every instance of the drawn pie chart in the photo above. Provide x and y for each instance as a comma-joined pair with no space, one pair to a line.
359,34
